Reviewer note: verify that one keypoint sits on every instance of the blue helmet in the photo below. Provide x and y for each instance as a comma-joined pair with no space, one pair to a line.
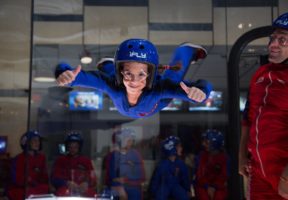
169,146
137,50
120,137
281,21
73,137
215,138
26,138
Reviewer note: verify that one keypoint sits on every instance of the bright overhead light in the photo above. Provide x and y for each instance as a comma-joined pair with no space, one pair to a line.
43,74
44,79
240,26
85,57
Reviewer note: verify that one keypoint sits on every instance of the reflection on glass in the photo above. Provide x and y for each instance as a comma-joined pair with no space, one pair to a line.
213,103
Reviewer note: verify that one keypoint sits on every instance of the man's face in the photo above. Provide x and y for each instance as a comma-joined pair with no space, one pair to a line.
278,46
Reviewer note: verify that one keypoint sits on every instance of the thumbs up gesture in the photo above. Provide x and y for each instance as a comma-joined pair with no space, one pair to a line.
68,76
193,93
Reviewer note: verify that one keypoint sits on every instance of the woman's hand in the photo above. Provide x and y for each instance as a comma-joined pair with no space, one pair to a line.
68,76
193,93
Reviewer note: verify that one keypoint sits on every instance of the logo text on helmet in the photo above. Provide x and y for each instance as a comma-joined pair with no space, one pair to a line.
137,55
169,145
282,22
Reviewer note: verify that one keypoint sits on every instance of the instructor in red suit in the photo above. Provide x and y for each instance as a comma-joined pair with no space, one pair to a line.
212,168
73,174
263,155
29,169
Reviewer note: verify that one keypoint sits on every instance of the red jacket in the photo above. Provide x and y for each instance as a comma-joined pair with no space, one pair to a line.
29,176
77,169
212,170
268,119
29,170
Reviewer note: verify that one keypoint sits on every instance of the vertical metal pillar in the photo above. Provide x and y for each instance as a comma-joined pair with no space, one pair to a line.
234,128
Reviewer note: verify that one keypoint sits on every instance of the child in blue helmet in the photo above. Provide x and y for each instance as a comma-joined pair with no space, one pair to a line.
135,87
211,170
171,177
29,169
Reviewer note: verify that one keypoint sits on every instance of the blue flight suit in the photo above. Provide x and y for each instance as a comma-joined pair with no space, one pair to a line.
170,179
165,87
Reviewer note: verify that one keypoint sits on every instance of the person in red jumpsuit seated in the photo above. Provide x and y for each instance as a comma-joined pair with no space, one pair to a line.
29,169
73,174
263,152
212,168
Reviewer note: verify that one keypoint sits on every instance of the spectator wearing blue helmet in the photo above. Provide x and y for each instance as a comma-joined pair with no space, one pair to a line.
263,152
135,86
29,169
211,167
213,140
170,178
125,167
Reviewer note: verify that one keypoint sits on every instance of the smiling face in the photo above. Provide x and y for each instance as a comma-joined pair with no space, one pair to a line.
278,46
134,76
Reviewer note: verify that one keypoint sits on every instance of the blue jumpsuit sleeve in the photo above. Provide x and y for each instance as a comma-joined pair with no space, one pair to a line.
155,180
185,177
89,79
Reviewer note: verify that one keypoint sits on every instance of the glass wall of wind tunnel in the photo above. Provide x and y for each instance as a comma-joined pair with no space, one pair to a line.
62,32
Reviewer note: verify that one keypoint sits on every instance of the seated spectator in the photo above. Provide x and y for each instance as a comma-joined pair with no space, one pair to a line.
171,178
29,169
211,168
125,168
73,174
